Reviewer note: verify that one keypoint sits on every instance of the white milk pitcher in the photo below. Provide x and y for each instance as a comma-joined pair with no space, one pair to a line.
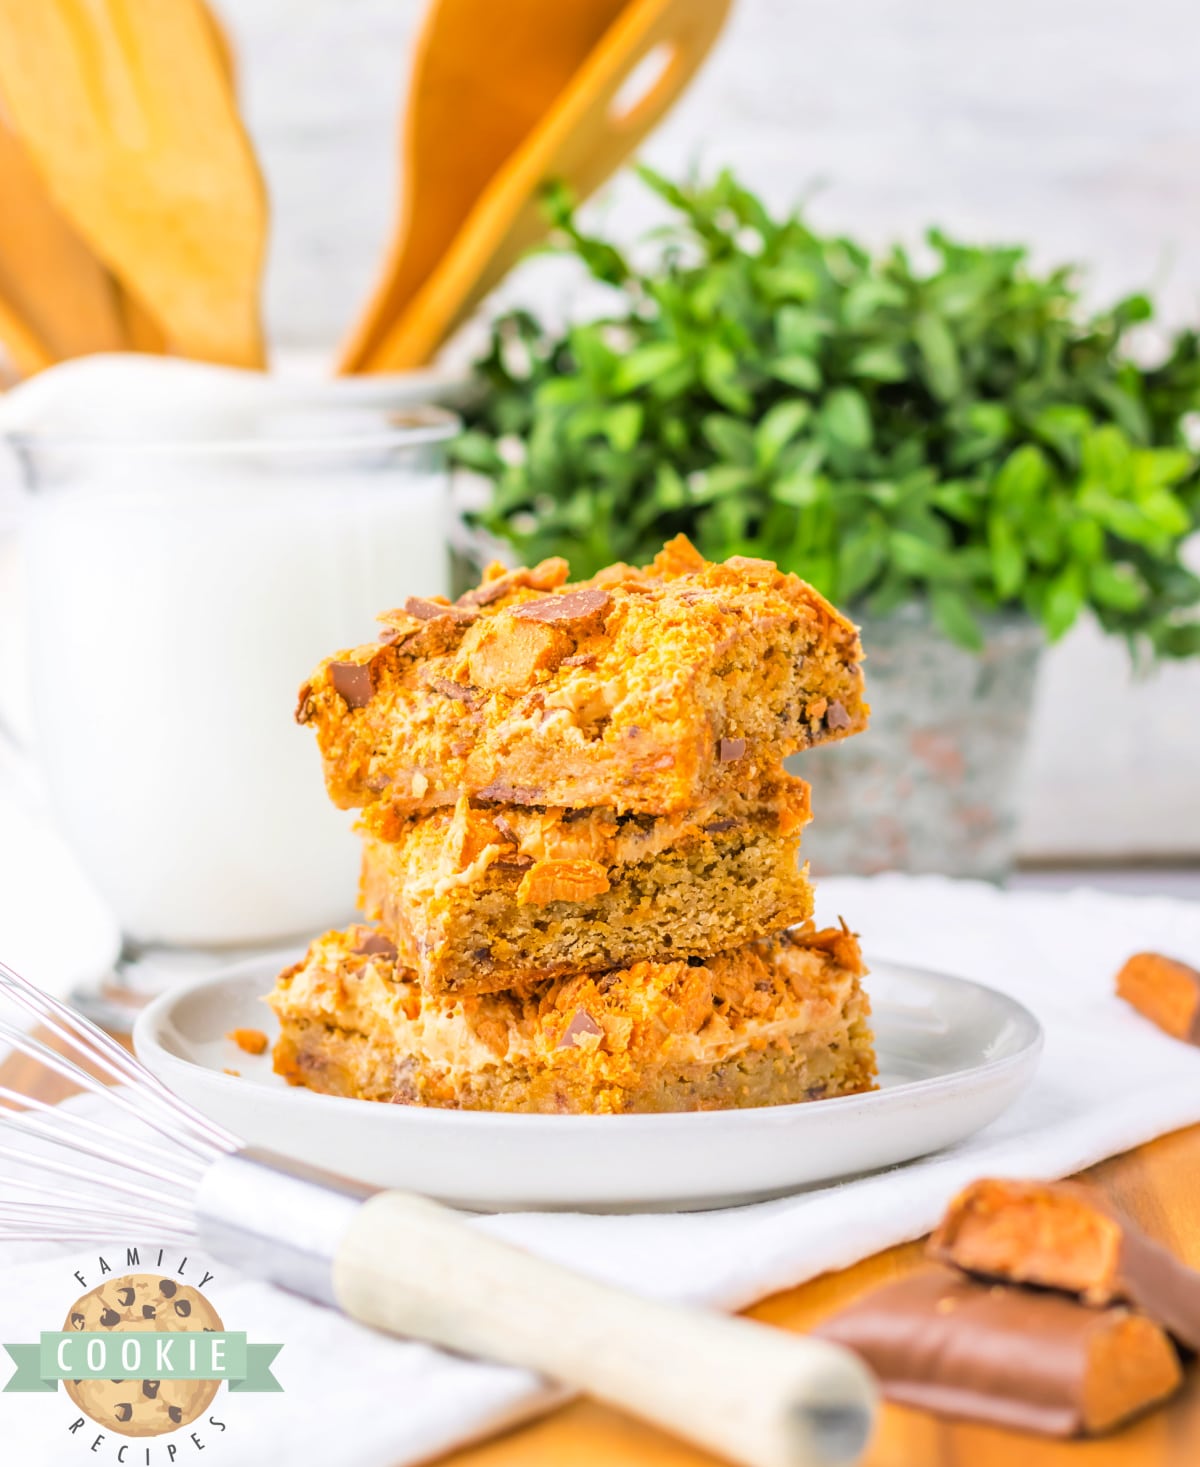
187,563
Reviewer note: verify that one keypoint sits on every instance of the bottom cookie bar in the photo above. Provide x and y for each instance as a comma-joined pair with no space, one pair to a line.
1008,1356
776,1021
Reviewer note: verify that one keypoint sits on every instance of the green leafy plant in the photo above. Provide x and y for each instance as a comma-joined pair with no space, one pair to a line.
961,432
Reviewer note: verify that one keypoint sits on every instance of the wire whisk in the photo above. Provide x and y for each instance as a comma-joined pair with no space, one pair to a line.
145,1164
161,1192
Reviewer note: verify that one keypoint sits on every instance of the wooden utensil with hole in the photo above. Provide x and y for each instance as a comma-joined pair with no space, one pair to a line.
582,139
484,75
127,112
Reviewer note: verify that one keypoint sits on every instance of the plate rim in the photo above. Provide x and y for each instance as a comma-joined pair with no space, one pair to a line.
152,1019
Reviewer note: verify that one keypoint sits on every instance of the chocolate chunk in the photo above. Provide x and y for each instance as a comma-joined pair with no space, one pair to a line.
508,794
459,691
1165,991
150,1389
486,594
175,1413
514,863
1008,1356
731,749
544,576
695,962
123,1411
353,681
149,1311
1061,1235
77,1321
125,1297
109,1318
391,634
719,827
571,608
183,1308
836,716
581,1023
376,945
167,1288
425,609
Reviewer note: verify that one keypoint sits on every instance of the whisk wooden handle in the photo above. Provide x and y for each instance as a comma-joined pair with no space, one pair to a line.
750,1393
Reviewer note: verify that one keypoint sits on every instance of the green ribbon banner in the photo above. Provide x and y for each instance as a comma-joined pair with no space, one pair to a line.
79,1355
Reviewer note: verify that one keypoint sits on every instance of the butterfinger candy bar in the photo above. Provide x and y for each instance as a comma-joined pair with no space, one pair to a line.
1166,991
1010,1357
1060,1235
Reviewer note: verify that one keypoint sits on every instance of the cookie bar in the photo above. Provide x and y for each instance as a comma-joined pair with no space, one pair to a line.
1061,1235
651,690
776,1021
1011,1357
480,897
1165,991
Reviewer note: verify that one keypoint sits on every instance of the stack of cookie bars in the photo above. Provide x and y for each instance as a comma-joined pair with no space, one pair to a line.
580,863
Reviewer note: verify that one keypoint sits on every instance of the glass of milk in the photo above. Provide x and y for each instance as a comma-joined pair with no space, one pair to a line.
179,591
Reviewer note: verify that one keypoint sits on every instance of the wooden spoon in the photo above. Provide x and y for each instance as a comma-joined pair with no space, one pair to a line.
128,115
584,137
484,76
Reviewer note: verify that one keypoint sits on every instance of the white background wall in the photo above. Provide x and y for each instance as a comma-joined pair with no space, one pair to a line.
1072,124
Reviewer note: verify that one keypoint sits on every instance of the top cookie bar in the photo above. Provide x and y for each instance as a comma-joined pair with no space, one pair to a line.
645,690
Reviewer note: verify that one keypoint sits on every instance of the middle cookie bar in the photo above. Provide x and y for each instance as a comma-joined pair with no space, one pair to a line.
481,897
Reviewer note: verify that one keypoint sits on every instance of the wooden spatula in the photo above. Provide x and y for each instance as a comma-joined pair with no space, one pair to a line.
23,348
142,331
582,139
47,272
127,113
484,76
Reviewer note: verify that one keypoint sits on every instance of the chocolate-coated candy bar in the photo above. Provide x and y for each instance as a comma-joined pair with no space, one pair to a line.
1060,1235
1008,1356
1166,991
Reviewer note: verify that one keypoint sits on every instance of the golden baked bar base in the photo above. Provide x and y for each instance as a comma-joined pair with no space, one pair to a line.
780,1020
652,690
479,898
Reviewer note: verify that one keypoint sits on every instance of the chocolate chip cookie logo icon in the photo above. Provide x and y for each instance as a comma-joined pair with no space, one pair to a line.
143,1355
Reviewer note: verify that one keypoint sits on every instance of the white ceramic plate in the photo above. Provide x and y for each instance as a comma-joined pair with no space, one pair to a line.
952,1054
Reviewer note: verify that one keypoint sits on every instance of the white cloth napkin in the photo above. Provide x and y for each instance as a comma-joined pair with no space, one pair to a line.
1108,1081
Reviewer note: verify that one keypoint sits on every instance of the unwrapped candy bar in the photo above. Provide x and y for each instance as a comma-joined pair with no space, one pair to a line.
1008,1356
1060,1235
1165,991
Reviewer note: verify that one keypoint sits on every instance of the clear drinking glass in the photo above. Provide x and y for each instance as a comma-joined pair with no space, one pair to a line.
178,593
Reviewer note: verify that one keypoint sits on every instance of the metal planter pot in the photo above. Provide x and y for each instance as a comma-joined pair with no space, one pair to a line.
932,785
